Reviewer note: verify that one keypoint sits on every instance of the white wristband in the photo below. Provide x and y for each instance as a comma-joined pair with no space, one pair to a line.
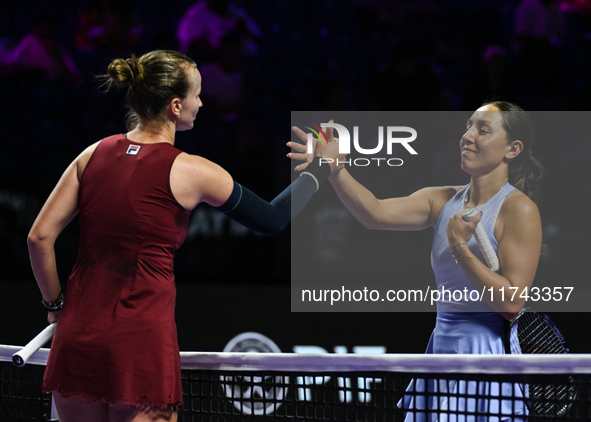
313,177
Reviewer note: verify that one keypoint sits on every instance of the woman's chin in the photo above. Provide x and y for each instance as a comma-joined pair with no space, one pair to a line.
185,127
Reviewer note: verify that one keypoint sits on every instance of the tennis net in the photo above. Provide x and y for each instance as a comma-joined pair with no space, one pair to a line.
330,387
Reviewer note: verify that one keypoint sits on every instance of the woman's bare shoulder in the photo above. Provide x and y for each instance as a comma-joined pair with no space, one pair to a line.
518,214
518,204
195,179
82,160
196,164
438,196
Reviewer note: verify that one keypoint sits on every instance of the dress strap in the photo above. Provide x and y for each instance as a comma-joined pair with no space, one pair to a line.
494,222
511,188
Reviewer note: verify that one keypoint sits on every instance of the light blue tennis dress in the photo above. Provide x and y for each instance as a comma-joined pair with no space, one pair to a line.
463,326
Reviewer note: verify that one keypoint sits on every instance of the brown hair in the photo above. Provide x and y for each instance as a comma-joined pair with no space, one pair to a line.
525,171
151,81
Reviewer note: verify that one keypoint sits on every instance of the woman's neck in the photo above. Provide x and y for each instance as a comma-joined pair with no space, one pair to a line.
153,132
483,188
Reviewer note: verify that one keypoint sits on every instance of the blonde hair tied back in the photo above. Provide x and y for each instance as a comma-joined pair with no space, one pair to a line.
163,75
126,71
136,68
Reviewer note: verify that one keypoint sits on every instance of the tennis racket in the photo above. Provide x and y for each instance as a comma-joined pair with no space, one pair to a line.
21,357
531,332
492,261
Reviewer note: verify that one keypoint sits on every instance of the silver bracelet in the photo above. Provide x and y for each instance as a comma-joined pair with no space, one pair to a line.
54,306
313,177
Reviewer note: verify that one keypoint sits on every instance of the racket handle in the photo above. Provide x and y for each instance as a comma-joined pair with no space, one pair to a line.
21,357
483,242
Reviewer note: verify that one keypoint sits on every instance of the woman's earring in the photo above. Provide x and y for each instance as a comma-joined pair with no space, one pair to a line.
178,116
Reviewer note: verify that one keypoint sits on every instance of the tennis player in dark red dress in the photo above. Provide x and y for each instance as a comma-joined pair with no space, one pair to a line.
115,355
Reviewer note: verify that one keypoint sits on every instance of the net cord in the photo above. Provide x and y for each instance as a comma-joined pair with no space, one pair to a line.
402,363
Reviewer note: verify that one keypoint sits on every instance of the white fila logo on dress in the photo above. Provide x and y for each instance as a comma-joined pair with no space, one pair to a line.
133,149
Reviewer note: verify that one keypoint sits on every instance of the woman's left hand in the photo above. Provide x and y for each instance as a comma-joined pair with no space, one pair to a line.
460,230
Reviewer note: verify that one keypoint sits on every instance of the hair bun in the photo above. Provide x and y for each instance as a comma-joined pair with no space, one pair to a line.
125,72
137,69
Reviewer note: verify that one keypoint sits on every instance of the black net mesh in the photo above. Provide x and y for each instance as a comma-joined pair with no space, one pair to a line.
381,396
21,398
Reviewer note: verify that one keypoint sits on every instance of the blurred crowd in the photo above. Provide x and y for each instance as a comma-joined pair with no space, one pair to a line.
260,59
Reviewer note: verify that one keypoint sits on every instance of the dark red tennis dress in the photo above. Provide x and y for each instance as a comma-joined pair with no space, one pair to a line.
116,337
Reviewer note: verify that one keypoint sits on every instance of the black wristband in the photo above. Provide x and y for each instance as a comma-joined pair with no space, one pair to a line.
54,306
317,171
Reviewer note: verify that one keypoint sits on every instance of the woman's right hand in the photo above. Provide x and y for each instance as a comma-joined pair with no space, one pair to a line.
53,316
301,150
328,149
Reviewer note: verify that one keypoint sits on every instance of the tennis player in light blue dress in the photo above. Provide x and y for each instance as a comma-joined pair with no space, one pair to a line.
463,327
496,152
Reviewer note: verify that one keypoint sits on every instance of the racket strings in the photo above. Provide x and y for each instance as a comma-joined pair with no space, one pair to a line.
536,336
